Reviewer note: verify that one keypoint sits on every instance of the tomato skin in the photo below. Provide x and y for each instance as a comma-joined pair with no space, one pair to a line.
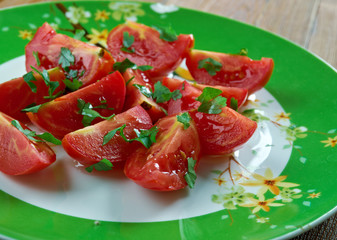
85,145
237,71
163,166
239,94
16,95
18,154
222,133
61,116
94,61
163,56
134,97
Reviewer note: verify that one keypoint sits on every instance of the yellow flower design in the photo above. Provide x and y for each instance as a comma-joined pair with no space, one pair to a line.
98,37
330,142
101,15
314,195
219,181
261,203
77,15
239,175
282,116
25,34
268,182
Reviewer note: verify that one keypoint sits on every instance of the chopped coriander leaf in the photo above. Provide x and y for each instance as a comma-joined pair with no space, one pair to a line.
163,94
243,52
190,176
89,114
127,42
128,81
37,59
32,108
29,78
103,165
52,85
234,104
166,33
72,73
126,63
185,119
144,90
31,135
211,101
72,85
146,137
107,137
79,34
66,58
210,65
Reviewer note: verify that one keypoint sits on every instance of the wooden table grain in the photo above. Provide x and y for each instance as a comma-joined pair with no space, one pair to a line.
311,24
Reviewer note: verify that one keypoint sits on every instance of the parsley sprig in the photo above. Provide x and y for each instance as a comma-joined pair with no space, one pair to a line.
66,58
31,135
126,63
88,112
166,33
145,137
190,176
211,101
103,165
210,65
128,40
185,119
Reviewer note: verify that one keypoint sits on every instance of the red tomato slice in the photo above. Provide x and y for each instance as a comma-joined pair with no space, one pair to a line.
61,116
149,49
16,95
134,97
239,94
221,133
94,61
163,166
236,71
86,145
18,154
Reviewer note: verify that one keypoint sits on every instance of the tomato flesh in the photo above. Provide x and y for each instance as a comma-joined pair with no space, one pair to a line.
18,154
61,116
134,97
240,94
86,145
221,133
163,166
236,71
93,61
149,49
16,95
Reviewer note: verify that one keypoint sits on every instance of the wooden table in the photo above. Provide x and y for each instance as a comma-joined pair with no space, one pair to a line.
309,23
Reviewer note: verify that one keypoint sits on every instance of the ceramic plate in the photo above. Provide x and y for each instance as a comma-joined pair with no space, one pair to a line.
281,183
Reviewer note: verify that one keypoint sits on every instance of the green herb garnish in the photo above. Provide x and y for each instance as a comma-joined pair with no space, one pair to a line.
73,85
166,33
31,135
210,65
127,42
37,59
185,119
32,108
66,58
103,165
190,176
29,79
234,104
126,63
211,101
88,112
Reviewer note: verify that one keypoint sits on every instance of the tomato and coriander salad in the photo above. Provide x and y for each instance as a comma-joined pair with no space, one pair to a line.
120,106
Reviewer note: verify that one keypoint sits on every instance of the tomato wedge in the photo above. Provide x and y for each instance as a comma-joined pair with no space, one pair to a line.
221,133
18,154
86,145
234,71
91,61
239,94
148,48
134,97
164,165
16,95
61,116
